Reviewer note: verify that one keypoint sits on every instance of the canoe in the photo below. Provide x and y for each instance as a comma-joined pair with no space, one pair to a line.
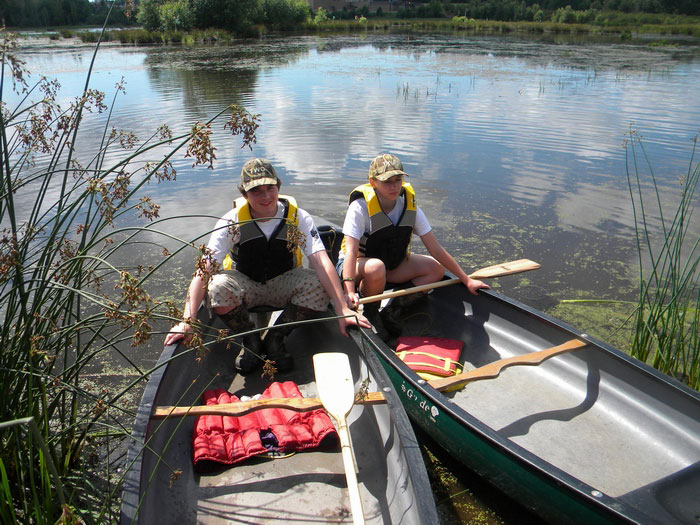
588,436
163,486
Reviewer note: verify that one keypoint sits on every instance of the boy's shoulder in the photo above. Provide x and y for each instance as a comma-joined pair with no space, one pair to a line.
230,215
358,206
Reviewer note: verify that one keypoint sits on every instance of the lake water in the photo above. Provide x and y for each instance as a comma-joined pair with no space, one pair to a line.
514,145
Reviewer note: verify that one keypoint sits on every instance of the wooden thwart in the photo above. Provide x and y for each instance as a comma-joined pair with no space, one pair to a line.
497,270
494,369
300,404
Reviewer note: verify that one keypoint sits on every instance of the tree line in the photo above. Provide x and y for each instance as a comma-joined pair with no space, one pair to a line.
544,10
239,15
50,13
233,15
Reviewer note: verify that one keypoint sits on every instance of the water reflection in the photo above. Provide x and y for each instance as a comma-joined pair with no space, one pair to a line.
530,125
513,144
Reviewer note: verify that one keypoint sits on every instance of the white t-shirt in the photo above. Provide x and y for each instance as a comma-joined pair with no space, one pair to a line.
221,241
357,218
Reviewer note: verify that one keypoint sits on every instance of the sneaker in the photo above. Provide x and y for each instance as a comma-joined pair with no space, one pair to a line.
373,316
277,352
249,358
392,321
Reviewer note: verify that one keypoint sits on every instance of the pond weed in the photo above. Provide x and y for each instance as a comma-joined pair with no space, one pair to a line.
667,317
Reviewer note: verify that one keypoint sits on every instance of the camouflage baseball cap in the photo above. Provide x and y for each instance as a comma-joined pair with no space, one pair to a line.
385,166
257,172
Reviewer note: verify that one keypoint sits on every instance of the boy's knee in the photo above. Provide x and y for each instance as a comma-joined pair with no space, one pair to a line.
437,270
223,297
375,269
222,310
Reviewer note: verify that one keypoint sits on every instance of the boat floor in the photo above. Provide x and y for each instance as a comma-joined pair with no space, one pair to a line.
306,487
583,412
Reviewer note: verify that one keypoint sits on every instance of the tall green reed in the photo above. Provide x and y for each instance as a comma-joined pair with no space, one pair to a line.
667,317
66,300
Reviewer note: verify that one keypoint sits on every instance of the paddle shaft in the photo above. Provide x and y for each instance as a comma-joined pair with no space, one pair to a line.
299,404
494,369
350,470
498,270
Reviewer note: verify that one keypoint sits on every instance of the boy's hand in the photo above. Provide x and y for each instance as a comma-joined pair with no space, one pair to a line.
353,300
181,330
355,319
474,285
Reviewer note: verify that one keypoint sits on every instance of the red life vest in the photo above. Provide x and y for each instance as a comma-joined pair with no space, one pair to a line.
227,439
430,356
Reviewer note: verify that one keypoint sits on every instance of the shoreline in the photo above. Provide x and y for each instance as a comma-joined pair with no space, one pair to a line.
660,34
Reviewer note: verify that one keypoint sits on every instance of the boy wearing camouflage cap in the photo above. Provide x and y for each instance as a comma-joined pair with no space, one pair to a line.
259,245
381,218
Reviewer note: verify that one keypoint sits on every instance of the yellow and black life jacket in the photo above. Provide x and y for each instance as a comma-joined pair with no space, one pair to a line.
386,241
256,256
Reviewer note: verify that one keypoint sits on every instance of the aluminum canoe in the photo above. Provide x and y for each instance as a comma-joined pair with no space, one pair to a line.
161,485
590,436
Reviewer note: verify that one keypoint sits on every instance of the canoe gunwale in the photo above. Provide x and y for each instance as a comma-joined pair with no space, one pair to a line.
132,479
613,508
414,457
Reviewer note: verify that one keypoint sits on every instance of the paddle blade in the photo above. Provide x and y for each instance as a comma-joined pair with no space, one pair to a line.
334,382
498,270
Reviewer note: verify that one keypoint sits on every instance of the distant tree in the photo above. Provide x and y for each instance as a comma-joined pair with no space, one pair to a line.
321,16
44,13
176,16
235,15
627,6
564,15
286,14
12,12
651,6
149,14
535,13
122,14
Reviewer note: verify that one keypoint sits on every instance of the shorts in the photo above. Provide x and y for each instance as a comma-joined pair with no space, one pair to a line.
299,286
339,268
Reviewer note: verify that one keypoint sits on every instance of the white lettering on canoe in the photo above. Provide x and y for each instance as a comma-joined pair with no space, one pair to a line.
410,394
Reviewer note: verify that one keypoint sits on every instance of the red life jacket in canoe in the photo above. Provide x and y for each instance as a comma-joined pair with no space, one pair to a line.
430,357
227,439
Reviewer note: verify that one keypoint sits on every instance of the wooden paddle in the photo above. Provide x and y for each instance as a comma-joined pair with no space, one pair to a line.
497,270
494,369
337,393
299,404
